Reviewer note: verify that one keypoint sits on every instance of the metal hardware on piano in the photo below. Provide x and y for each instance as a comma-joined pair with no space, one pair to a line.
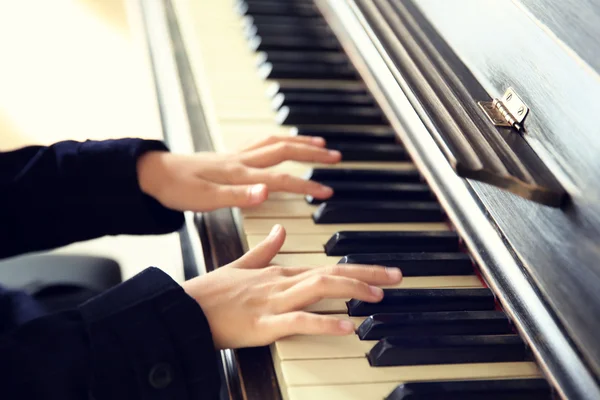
482,115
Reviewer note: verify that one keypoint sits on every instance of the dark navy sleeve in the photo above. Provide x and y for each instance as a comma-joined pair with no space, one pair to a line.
144,339
72,191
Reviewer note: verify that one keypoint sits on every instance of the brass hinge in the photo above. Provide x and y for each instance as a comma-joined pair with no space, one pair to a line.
510,111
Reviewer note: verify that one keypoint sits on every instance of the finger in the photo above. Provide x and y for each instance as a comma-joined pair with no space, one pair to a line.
318,287
304,323
369,274
286,151
240,195
277,182
200,195
312,140
261,255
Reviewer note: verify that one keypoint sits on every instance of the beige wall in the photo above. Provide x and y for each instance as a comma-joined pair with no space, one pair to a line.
73,69
78,69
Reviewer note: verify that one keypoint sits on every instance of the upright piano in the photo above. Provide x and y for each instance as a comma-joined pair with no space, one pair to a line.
469,131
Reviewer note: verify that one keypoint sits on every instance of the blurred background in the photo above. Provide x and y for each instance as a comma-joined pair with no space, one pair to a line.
79,69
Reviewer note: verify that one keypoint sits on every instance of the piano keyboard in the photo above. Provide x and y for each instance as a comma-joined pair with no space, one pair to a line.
272,67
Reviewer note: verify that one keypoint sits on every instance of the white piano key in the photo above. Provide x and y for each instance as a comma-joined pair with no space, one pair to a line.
358,370
362,391
303,226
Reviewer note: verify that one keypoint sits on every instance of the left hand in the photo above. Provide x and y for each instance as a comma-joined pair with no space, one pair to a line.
249,303
207,181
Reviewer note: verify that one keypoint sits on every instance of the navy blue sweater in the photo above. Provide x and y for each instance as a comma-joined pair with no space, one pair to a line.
143,339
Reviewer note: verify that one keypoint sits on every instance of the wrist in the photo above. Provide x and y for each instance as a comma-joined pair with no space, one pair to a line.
151,172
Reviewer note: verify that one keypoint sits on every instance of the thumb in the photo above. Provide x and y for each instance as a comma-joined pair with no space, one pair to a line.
264,252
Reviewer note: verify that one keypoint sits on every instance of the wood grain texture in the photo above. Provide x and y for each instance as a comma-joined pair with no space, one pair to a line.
559,247
473,146
574,22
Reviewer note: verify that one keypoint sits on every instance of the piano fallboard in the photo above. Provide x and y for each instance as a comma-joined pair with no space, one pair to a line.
555,249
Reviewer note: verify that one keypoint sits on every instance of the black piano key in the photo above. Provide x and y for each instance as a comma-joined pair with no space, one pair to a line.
501,389
425,300
275,8
271,1
275,88
259,19
346,242
311,115
306,57
417,264
315,31
294,43
380,134
406,350
257,25
313,71
376,152
379,326
354,212
375,191
322,97
364,175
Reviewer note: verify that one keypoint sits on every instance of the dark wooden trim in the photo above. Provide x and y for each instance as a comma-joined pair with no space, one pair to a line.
540,54
448,93
249,372
474,217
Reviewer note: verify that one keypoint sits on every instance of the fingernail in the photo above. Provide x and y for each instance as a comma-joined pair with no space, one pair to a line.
275,230
325,191
257,193
347,326
376,291
318,141
334,153
393,273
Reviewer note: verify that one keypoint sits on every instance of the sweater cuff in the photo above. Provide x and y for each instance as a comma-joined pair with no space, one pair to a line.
120,176
150,340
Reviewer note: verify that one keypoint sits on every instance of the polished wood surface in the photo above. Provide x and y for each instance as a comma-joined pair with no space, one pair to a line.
548,52
471,214
574,22
473,146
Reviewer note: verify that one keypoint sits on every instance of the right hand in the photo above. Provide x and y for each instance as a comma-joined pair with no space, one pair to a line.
248,303
208,181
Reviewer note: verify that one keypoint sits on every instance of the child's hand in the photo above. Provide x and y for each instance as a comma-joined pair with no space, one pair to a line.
207,181
249,303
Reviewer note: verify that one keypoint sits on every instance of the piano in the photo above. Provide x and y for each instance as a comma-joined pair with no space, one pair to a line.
469,133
